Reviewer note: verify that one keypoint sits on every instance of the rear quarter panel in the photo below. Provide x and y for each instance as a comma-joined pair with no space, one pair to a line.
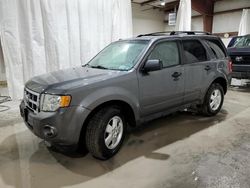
220,68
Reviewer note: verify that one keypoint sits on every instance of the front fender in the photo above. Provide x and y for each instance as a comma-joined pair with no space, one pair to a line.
102,95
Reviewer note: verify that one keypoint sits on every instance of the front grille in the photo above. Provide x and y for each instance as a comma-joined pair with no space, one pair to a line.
31,100
240,59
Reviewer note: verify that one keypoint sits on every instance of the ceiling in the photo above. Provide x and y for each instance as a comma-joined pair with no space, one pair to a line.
169,5
160,4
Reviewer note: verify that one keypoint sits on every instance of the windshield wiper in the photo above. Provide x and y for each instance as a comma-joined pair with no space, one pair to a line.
98,67
86,65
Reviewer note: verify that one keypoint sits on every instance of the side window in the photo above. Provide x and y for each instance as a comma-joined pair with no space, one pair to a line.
167,52
217,49
194,51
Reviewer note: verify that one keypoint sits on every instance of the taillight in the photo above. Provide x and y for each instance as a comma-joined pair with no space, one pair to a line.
230,66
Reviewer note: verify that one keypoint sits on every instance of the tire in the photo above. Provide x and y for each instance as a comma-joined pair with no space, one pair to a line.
211,109
99,129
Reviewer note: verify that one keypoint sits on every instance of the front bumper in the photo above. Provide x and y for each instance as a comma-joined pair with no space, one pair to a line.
241,71
241,75
66,123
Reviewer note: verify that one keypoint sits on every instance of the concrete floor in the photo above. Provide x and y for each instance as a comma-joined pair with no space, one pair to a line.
182,150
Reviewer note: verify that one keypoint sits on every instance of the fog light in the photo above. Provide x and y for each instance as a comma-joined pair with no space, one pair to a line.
49,132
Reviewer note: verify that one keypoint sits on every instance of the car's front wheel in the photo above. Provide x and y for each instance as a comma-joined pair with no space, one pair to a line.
213,100
105,132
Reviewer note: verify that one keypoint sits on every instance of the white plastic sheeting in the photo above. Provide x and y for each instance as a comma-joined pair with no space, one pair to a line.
183,22
2,66
40,36
244,28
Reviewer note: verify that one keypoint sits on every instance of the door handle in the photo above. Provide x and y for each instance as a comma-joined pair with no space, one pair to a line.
207,68
176,74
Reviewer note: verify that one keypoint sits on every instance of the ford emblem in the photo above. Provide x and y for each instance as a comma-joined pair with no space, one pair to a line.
238,58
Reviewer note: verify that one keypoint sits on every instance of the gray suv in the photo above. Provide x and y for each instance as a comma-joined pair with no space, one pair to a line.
128,83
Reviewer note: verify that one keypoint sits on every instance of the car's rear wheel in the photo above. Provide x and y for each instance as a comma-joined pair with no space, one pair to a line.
105,132
213,100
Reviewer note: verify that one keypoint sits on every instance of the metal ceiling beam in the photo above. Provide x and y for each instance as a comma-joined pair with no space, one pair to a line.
152,6
206,8
171,5
203,6
147,2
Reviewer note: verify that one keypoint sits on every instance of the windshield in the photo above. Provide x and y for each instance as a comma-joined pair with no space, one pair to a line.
242,42
121,55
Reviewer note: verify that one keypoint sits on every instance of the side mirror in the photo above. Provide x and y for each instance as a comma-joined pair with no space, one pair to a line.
152,65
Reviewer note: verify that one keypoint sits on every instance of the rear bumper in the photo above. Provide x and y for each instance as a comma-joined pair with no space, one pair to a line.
66,124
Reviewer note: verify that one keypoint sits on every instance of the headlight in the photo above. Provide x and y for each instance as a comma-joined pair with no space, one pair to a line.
51,103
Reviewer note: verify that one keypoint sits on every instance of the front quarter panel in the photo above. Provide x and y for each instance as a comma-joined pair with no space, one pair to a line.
123,88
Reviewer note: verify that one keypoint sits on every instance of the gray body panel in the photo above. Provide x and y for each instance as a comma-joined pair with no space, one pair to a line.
150,95
170,94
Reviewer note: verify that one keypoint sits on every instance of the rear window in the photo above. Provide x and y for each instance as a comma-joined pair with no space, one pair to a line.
217,49
194,51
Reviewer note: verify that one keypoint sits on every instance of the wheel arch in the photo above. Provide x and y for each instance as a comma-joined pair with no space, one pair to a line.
125,107
222,81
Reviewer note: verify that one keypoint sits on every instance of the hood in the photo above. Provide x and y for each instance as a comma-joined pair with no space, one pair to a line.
239,51
68,79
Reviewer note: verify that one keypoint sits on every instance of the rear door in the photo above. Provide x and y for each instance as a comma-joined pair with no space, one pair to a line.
163,89
196,66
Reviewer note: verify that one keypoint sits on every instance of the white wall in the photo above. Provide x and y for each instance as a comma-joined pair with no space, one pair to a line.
226,40
152,20
169,27
228,22
230,4
147,21
196,24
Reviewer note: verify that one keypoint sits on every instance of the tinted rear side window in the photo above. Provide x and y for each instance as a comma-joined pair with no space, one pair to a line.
217,49
194,51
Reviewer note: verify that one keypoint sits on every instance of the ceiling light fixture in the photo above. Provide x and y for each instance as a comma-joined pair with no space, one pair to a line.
163,3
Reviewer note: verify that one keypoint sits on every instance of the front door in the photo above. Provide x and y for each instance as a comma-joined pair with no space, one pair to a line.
163,89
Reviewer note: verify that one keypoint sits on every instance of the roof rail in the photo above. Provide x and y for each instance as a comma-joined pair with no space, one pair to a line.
190,33
175,33
155,34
